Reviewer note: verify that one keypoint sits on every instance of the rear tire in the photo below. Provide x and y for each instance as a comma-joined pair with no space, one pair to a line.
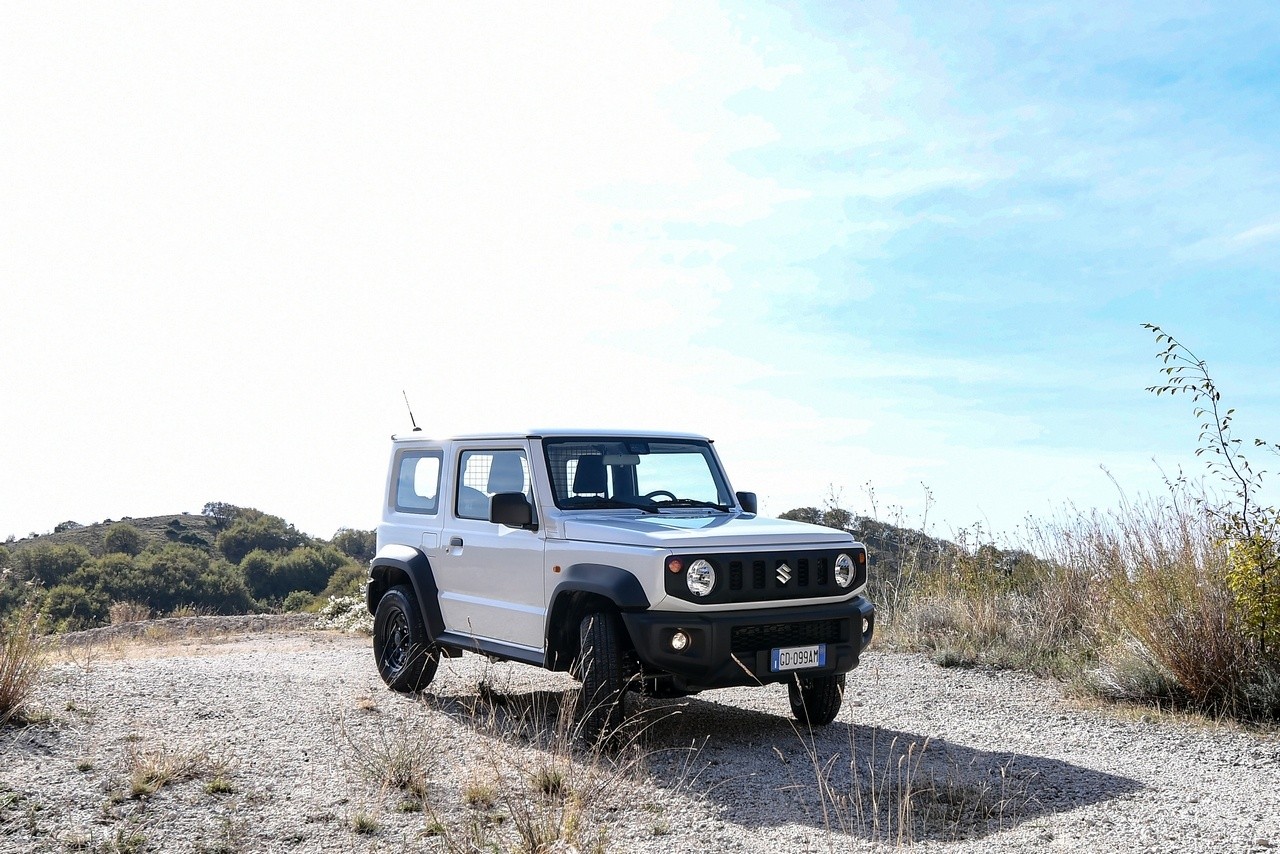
601,708
816,701
406,659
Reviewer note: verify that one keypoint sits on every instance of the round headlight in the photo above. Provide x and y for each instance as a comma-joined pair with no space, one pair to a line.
701,577
844,570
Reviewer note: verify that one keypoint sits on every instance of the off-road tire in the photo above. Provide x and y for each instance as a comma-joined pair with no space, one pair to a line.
406,659
600,710
816,701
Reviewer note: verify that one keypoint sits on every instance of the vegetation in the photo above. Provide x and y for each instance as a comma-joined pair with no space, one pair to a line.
22,655
1171,600
229,560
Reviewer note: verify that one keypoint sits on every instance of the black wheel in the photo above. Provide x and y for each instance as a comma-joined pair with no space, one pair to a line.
601,702
657,492
406,659
816,701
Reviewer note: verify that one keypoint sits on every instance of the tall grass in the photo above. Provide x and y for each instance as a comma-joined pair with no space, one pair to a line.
1132,604
23,654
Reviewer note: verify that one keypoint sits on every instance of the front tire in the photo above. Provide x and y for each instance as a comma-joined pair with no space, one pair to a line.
816,701
600,709
406,659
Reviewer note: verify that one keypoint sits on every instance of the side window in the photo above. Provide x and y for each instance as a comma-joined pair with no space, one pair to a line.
483,474
418,482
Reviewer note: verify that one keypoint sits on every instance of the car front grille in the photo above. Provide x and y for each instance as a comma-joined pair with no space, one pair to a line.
756,638
768,576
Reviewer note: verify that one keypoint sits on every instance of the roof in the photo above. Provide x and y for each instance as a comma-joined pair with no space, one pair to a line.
542,433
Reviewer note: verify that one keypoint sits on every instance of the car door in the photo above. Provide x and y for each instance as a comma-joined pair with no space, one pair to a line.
490,576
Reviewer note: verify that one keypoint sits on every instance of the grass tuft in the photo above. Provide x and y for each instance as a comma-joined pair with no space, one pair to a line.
23,655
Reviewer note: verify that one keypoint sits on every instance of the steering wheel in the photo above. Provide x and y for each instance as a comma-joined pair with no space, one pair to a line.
649,496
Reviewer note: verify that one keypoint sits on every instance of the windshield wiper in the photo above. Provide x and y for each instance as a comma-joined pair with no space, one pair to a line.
693,502
599,503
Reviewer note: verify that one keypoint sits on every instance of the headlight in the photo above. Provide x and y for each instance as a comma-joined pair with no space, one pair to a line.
701,577
844,570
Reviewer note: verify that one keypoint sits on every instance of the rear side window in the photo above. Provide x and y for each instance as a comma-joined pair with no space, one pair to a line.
418,482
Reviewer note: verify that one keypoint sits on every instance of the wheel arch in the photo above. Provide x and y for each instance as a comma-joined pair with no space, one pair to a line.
411,567
587,587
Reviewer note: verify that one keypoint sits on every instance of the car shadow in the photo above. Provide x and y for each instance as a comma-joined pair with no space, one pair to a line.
761,769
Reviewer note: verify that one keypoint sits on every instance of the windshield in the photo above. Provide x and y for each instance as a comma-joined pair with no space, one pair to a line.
648,474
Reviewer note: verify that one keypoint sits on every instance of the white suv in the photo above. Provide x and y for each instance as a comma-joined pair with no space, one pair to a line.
624,558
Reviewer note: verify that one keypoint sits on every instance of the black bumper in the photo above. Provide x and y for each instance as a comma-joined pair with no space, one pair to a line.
732,648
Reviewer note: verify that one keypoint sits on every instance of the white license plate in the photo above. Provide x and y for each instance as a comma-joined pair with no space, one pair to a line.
798,657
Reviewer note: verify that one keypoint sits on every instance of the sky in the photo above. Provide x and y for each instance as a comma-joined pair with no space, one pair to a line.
895,255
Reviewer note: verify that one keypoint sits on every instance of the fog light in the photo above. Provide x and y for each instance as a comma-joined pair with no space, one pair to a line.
679,641
866,625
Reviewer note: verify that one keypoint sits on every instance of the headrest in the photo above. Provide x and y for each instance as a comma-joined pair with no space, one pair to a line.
505,473
589,478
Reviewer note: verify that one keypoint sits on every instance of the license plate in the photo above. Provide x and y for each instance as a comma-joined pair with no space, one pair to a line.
798,657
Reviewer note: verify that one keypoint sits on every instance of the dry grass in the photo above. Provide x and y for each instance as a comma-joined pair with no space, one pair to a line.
23,655
1131,605
533,787
150,770
129,612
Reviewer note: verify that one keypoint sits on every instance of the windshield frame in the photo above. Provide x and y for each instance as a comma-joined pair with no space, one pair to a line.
618,443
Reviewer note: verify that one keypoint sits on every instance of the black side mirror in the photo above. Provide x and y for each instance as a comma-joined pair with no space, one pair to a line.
748,502
512,509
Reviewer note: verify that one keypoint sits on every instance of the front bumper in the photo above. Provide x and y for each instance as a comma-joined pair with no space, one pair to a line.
733,648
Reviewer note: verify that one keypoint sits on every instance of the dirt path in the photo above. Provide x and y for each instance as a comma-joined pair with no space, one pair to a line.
287,741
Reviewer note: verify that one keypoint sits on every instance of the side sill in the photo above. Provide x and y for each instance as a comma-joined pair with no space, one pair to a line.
492,648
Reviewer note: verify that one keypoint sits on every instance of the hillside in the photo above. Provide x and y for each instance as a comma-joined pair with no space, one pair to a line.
185,528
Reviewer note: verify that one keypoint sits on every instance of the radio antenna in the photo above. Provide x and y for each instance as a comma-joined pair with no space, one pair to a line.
416,428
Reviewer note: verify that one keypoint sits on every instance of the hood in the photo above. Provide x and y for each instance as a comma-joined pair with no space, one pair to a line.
682,532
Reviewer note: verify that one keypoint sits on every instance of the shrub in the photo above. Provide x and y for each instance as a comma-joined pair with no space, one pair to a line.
346,614
22,660
49,565
122,538
247,533
356,544
347,580
70,608
298,600
272,578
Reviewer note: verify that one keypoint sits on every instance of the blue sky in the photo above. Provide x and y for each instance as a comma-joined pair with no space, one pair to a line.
897,244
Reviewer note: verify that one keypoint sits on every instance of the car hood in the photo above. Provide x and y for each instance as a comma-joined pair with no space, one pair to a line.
681,531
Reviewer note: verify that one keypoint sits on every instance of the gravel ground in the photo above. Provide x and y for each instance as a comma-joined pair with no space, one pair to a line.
286,740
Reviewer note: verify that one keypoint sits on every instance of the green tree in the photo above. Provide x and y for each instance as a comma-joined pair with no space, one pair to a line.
356,544
248,532
122,538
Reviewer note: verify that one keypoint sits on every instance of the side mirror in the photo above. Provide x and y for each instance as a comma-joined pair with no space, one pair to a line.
748,502
511,509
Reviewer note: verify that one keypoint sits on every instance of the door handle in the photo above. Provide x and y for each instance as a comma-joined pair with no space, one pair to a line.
455,542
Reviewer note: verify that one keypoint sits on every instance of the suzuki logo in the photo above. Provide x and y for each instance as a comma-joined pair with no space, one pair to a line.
784,574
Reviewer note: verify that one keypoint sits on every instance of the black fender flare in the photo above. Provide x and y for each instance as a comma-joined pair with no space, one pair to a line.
387,570
596,581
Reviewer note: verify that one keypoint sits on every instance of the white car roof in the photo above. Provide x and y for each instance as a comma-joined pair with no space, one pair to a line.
557,433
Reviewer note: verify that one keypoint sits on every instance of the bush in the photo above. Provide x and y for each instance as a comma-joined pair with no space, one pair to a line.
49,565
249,532
356,544
347,580
22,660
346,614
122,538
272,578
70,608
298,600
